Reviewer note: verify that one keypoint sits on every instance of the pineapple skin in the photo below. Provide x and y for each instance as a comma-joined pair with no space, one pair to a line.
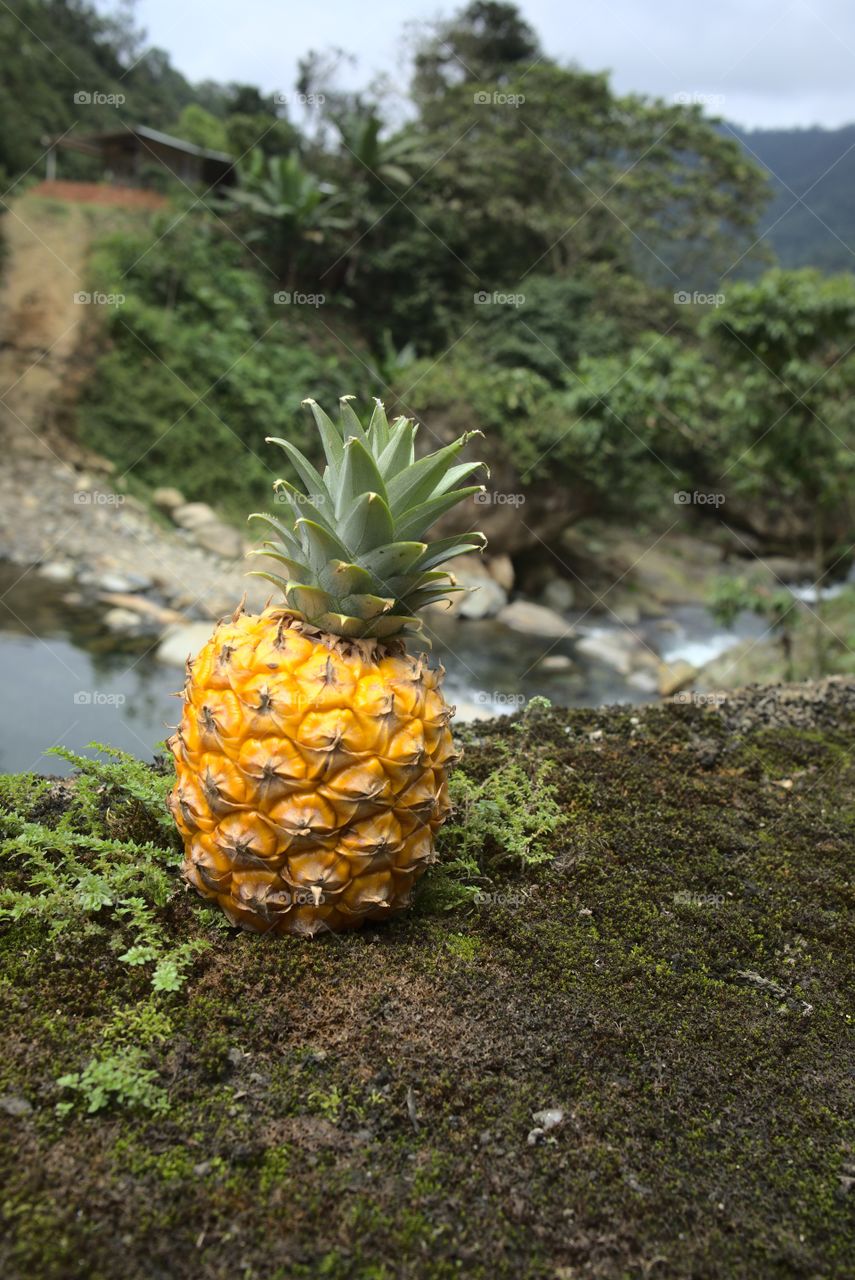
311,774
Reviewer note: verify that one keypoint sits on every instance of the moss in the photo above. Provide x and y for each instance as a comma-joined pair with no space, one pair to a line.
674,978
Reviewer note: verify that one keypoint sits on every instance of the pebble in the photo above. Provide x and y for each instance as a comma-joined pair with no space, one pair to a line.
14,1105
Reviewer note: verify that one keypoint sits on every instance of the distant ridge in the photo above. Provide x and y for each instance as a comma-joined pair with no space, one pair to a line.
811,220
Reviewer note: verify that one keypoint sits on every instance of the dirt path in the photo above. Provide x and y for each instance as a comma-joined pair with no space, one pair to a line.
44,268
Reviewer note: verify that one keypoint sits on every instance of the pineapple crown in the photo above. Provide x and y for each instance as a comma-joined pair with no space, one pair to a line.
359,566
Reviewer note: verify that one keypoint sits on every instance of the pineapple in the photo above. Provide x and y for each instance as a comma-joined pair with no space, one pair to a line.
313,749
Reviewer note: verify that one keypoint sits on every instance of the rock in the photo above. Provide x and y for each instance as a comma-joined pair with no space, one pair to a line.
646,681
559,594
501,569
534,619
548,1119
159,613
190,515
14,1105
181,643
465,712
121,620
555,662
674,676
625,611
616,649
223,539
123,584
57,571
483,599
167,499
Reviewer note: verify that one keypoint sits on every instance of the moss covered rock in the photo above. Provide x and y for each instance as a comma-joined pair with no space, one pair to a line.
666,971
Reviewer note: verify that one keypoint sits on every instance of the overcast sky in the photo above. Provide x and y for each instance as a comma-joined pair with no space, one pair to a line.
760,63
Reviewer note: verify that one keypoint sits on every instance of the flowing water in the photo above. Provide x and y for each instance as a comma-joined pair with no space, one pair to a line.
65,681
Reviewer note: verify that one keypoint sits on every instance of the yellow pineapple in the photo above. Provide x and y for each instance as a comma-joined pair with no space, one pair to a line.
313,749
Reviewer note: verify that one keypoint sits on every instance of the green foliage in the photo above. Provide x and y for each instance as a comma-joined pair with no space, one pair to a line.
90,862
201,365
500,824
121,1079
99,856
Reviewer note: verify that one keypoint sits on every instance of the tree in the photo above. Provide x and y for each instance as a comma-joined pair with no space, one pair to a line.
485,42
788,339
289,207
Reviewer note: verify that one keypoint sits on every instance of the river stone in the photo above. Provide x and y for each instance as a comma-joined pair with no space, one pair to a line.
121,620
180,643
222,539
674,676
555,662
620,650
191,515
167,499
121,583
484,599
534,620
502,570
646,681
57,571
559,594
466,712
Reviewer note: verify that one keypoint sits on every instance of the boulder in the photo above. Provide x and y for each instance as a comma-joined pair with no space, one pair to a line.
146,608
167,499
121,583
555,662
620,650
121,620
501,569
465,712
223,539
180,643
674,676
534,620
559,594
484,599
191,515
60,571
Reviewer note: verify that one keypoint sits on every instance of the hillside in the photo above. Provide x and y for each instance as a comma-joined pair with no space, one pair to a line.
810,221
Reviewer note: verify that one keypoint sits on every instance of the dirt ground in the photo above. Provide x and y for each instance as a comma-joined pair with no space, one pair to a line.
675,982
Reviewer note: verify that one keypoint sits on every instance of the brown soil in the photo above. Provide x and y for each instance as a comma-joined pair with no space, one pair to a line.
100,193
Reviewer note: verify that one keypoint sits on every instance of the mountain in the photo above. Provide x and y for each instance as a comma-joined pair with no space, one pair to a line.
811,218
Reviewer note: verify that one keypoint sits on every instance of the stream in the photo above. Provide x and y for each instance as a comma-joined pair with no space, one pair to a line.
65,681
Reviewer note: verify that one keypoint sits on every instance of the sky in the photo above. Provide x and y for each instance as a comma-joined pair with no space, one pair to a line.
759,63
